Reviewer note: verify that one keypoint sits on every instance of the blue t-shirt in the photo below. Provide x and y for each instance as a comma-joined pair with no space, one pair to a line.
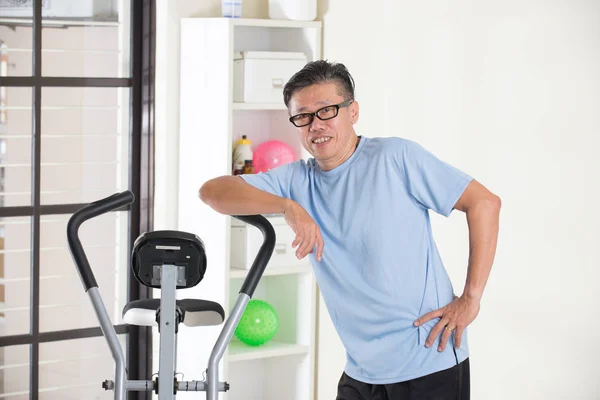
380,268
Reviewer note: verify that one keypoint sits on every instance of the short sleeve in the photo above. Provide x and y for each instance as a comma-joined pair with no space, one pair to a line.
276,181
433,183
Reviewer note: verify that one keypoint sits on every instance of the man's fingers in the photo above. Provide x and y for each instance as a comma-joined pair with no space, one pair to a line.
458,337
429,316
305,247
296,241
435,332
306,240
320,246
306,244
445,336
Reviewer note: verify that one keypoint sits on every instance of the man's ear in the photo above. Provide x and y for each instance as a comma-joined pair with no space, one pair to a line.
354,111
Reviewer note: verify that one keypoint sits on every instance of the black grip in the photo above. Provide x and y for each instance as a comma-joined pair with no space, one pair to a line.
264,253
111,203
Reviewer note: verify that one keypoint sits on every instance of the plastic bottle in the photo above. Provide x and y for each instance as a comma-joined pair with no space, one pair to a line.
248,167
238,169
231,8
242,152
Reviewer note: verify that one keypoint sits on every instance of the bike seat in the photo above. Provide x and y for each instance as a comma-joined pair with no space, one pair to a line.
194,312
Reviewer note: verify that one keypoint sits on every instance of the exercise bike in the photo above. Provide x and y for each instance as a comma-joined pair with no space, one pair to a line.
168,260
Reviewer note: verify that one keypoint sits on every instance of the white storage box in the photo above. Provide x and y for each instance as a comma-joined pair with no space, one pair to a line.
246,241
259,76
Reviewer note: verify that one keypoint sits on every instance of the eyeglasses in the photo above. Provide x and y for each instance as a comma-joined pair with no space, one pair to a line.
323,114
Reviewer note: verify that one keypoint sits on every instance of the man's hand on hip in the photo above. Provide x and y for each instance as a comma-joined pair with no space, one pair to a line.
455,316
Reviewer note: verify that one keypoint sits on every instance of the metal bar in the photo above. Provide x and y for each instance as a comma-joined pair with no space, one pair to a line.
113,343
191,386
167,327
140,386
198,386
51,81
212,374
78,333
36,198
141,137
16,340
23,211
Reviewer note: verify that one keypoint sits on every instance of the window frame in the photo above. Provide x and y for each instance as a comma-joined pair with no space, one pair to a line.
141,182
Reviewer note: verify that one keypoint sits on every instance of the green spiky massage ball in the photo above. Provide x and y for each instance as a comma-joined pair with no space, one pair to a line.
258,324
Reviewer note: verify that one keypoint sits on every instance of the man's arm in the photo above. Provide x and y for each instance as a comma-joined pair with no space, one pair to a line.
482,209
483,213
231,195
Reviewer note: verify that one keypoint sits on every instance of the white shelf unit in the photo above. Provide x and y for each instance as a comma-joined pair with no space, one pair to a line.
210,124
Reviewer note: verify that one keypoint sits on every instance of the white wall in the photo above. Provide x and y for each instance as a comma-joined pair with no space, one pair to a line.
509,92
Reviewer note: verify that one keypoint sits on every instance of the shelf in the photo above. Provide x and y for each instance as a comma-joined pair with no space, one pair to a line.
298,269
275,23
259,106
239,351
286,364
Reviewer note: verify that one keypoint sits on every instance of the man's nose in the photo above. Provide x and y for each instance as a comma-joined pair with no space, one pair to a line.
317,124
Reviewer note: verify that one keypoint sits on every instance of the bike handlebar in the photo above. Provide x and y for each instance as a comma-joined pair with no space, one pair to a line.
111,203
122,199
264,253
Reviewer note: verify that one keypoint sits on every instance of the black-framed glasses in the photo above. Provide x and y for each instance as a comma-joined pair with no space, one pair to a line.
325,113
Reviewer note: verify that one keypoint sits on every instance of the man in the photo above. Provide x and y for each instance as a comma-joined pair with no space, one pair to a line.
360,209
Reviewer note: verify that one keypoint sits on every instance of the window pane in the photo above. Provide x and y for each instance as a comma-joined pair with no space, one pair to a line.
15,256
94,45
63,301
75,369
15,146
14,372
16,39
85,143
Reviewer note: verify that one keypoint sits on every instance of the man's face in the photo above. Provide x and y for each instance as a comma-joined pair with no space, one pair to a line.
327,140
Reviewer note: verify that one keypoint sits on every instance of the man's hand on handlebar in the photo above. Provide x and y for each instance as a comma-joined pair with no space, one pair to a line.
308,234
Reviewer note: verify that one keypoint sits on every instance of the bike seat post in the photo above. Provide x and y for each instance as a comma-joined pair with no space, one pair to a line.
167,327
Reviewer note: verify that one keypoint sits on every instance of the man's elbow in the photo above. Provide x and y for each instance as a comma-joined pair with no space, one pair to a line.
498,202
495,203
491,204
207,192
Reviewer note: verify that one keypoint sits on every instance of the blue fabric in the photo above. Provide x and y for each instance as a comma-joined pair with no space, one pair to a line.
380,269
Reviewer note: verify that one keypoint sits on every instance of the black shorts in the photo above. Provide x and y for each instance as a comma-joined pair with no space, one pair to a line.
449,384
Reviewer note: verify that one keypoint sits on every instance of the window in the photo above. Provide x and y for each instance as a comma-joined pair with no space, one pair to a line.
76,125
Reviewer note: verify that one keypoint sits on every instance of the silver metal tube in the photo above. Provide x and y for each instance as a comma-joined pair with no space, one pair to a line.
166,367
139,386
113,343
196,386
191,386
212,374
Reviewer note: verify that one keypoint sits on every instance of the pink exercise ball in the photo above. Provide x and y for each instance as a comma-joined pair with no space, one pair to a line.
271,154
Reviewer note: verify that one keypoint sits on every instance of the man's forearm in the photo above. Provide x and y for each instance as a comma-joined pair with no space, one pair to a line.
231,195
483,221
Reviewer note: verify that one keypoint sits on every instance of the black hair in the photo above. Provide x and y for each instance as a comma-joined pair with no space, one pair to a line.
320,71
